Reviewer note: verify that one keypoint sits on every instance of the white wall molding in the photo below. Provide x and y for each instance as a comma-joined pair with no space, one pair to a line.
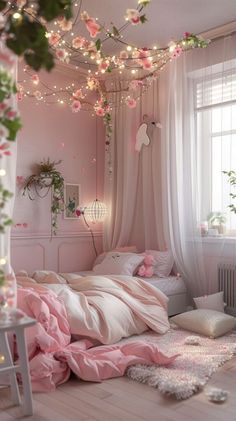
66,234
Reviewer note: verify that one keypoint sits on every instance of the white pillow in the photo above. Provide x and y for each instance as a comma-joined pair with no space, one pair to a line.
206,322
116,263
211,302
163,262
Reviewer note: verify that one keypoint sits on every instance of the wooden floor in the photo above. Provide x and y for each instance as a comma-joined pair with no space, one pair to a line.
125,400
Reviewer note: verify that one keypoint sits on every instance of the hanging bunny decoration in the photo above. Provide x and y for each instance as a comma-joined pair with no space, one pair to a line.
145,133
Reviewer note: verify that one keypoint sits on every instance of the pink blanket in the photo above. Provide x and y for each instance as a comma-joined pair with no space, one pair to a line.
52,356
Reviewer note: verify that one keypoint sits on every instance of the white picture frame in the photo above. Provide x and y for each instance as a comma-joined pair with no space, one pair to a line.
72,200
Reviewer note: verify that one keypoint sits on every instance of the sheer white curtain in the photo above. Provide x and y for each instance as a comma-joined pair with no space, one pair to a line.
8,163
133,192
193,157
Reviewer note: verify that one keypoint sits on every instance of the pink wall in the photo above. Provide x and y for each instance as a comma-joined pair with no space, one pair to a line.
54,131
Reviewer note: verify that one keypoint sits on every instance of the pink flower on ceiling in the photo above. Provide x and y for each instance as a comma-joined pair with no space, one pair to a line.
103,66
54,39
131,102
38,95
78,42
65,25
11,115
62,55
78,94
35,79
177,52
124,55
100,111
187,34
3,107
76,106
147,63
91,47
143,53
132,15
84,16
92,83
93,27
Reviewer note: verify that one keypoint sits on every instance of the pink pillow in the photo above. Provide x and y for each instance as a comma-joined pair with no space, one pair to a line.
116,263
163,262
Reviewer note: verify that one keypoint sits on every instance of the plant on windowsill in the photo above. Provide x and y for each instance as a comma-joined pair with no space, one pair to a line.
217,220
47,178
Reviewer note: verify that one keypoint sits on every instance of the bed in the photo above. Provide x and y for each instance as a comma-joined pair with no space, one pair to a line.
172,286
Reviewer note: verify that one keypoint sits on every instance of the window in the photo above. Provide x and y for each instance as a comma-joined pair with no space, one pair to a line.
215,116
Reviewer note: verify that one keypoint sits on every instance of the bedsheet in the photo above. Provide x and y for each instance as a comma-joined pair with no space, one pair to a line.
170,285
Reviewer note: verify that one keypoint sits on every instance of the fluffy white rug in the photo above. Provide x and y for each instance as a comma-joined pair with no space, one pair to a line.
192,369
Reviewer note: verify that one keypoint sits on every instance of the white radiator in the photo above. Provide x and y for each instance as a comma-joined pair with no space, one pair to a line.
227,284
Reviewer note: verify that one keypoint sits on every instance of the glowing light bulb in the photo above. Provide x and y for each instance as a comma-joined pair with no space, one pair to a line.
17,16
129,48
2,359
3,261
172,47
2,172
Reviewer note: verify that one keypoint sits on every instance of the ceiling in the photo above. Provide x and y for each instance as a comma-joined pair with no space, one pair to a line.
167,19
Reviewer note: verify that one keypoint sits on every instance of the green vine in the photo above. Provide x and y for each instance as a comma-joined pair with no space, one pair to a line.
232,180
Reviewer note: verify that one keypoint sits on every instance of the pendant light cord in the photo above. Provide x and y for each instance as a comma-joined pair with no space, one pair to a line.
96,155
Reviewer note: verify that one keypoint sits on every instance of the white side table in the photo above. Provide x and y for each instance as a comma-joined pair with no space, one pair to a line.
7,366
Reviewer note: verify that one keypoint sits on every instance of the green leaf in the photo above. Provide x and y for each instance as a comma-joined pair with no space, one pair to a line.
143,19
2,4
98,44
13,126
115,31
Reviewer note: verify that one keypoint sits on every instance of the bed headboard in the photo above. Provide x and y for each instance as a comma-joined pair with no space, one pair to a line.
63,253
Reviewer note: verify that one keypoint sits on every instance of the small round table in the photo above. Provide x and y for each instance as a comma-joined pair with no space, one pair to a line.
7,366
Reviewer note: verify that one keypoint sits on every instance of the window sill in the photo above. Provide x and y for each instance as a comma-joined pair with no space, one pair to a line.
216,239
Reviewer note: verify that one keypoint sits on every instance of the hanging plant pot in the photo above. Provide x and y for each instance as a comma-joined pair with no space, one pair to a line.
48,178
45,179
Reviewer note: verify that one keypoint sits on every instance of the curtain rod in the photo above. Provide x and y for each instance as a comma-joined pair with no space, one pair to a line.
220,31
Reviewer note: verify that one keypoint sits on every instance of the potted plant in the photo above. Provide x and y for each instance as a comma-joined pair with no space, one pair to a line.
47,178
217,220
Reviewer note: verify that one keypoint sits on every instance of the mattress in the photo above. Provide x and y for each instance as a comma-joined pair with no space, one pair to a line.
172,285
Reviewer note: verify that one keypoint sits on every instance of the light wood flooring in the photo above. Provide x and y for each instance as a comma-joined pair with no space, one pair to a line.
125,400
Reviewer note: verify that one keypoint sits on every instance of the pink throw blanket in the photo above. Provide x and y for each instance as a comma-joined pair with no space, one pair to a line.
52,356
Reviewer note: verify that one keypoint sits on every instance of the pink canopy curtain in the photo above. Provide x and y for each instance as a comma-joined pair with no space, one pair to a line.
133,191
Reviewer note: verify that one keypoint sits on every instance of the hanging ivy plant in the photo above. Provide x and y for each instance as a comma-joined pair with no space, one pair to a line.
25,30
47,178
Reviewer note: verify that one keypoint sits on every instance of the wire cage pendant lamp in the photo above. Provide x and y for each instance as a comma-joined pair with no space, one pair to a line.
96,211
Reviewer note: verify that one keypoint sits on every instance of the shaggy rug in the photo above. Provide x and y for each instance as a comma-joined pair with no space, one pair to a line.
192,369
